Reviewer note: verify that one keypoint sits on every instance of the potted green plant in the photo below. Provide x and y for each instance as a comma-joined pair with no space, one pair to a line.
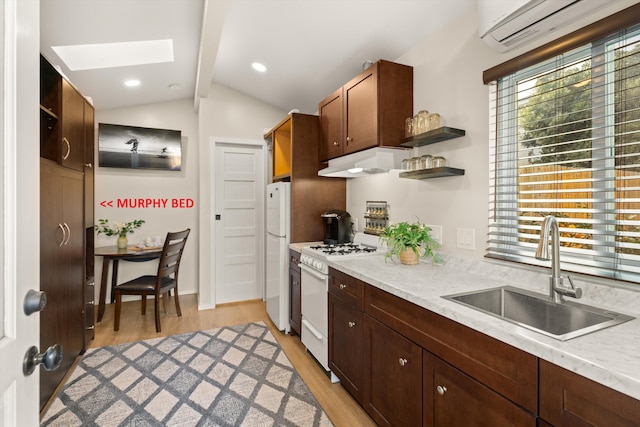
120,229
410,242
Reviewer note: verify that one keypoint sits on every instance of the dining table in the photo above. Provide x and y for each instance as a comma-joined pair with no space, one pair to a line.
113,254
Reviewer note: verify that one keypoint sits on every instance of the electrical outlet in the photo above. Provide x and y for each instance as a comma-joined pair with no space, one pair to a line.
436,232
466,238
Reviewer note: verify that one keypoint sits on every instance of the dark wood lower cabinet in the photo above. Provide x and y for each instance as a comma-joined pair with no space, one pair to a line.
345,326
408,366
452,398
568,399
295,293
62,274
392,376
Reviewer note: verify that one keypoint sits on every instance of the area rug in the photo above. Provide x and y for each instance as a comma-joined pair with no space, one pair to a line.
231,376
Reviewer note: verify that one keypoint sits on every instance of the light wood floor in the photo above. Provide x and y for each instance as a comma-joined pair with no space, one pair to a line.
337,403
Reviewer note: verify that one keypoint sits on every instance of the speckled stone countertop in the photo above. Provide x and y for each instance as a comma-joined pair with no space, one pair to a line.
610,356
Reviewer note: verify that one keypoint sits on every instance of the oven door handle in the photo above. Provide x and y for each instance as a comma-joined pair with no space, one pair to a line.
313,272
312,329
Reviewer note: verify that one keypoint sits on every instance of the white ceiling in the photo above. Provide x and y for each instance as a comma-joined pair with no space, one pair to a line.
310,47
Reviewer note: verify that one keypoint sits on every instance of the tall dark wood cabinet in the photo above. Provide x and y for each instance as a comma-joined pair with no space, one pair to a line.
89,288
294,144
66,236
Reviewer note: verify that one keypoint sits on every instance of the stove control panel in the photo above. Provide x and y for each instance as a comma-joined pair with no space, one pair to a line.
314,263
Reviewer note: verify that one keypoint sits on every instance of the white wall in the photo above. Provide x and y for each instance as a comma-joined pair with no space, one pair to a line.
116,183
448,70
225,114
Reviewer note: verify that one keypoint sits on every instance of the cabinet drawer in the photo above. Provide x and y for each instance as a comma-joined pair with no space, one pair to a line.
506,369
345,287
294,260
568,399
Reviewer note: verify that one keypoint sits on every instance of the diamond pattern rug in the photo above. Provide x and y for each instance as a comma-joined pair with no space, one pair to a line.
231,376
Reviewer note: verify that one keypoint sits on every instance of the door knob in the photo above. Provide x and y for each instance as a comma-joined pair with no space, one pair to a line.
441,390
34,301
50,359
402,361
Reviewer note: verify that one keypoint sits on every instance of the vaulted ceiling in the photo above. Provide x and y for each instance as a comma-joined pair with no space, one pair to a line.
310,47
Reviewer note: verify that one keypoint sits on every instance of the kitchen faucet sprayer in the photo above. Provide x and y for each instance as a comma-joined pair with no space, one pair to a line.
556,288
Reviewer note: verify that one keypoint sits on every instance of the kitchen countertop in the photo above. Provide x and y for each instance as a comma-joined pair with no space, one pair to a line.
298,246
610,356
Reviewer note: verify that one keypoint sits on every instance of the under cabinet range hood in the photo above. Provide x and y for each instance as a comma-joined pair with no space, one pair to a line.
363,163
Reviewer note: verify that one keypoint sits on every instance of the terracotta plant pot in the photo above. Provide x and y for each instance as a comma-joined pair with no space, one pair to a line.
409,257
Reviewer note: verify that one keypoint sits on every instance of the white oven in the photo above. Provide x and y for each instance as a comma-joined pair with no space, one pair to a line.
315,287
315,321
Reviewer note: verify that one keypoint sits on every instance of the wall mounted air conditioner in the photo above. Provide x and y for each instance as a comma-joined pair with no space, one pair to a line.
507,24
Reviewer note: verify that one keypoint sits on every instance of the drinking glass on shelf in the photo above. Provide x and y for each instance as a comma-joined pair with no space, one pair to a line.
426,161
408,127
439,162
434,121
422,120
415,163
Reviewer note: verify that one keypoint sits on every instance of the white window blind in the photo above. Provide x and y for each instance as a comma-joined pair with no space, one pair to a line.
565,141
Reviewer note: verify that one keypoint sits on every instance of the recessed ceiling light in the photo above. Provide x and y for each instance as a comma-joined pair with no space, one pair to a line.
110,55
132,83
259,67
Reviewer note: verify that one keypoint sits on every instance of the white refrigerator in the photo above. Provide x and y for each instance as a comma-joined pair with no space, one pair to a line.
277,257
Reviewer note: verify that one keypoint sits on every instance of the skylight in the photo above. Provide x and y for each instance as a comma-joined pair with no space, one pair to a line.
110,55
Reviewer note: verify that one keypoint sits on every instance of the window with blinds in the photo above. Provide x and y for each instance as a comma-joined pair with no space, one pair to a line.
566,142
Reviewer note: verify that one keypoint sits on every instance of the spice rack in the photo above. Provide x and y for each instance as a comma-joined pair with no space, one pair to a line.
376,217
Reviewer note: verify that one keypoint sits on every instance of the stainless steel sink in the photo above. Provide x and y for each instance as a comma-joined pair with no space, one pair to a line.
536,312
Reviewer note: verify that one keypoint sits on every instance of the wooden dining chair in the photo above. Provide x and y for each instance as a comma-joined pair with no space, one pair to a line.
164,281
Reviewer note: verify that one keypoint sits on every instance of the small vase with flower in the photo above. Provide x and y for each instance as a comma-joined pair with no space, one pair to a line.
120,229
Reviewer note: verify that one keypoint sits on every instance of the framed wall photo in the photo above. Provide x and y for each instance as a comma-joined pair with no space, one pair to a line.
135,147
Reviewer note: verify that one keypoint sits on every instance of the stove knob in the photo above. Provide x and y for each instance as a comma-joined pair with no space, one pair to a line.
317,265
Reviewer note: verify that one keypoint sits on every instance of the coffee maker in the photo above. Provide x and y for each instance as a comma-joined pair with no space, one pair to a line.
337,225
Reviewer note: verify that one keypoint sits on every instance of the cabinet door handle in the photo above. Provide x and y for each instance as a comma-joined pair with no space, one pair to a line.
295,283
349,139
68,233
66,141
441,390
64,235
342,286
88,165
336,143
351,324
402,361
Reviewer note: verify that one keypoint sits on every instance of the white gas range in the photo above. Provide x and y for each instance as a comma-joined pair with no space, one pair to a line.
315,286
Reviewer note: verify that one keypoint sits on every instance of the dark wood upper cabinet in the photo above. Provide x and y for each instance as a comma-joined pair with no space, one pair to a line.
368,111
72,128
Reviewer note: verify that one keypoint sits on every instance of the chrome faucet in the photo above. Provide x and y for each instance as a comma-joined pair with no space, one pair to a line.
556,289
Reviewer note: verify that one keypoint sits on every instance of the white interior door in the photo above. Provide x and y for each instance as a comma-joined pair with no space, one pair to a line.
19,210
238,229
